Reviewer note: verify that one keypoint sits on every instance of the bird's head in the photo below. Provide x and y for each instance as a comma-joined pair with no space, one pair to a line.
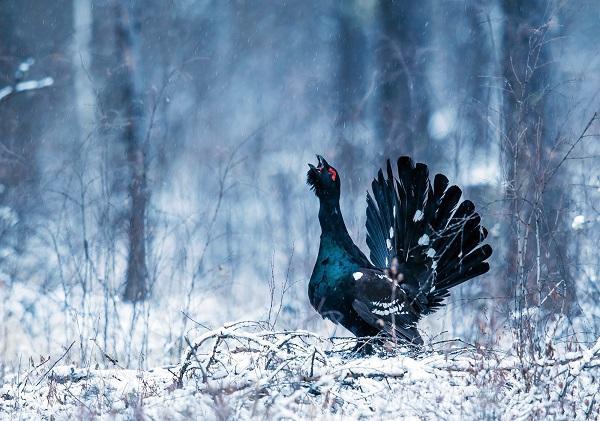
324,180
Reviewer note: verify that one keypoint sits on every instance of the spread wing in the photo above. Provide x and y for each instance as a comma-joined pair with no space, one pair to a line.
437,239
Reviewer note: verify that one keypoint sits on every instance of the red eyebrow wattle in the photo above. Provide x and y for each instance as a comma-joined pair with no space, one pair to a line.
333,173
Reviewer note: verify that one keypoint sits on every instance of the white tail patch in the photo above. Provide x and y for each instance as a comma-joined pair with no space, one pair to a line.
418,215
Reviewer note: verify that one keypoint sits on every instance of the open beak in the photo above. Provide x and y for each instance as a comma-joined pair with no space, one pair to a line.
314,173
322,164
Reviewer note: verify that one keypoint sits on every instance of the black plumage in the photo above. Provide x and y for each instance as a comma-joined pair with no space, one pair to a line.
422,240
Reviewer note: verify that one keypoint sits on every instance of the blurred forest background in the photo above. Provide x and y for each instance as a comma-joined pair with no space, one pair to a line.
156,182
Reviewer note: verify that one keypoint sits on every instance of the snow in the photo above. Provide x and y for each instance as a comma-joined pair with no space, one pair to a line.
26,65
6,91
28,85
357,275
241,371
418,215
578,222
34,84
245,370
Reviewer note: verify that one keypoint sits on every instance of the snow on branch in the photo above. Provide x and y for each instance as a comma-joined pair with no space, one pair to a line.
313,372
20,85
243,371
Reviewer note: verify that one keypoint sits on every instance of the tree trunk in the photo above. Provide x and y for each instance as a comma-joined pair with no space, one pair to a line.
402,112
136,287
536,244
351,90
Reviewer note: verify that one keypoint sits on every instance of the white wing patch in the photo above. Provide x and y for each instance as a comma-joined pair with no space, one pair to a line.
384,309
384,304
387,278
357,275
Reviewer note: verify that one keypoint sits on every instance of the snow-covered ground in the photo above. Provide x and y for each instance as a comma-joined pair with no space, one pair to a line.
244,371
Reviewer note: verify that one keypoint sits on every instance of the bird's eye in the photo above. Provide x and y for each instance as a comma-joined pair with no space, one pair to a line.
333,173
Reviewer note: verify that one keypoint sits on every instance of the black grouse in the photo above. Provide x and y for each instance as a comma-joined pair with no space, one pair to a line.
422,239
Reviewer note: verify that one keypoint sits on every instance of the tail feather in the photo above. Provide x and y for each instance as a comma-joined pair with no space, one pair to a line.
447,205
440,184
425,227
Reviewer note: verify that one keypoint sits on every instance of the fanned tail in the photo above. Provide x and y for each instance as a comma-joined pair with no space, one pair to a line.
427,228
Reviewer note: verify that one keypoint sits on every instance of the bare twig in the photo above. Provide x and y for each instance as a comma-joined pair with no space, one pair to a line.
55,362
